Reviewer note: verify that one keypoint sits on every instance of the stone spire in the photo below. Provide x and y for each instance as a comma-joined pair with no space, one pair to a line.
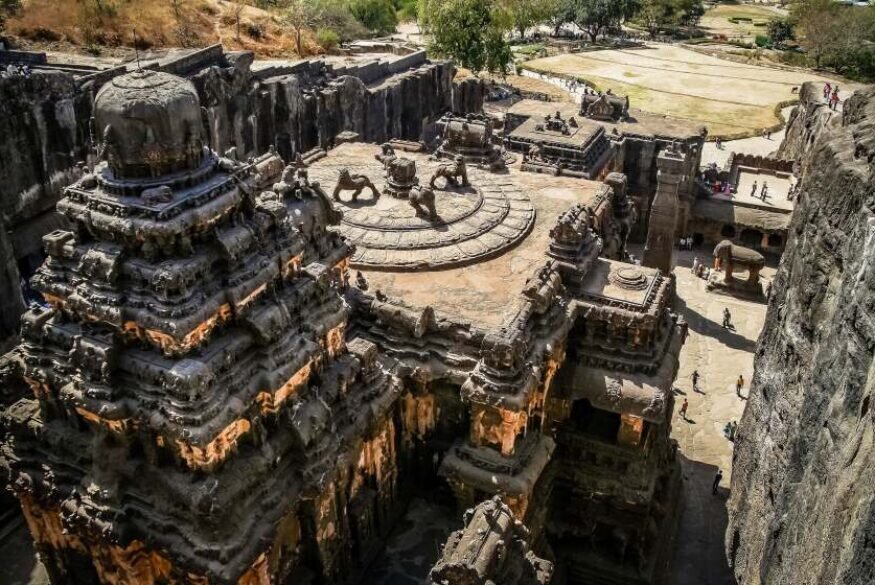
659,250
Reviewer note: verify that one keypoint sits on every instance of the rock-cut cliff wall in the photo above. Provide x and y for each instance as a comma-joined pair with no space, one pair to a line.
802,506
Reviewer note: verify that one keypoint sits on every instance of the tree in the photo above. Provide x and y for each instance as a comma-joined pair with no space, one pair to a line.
689,12
594,16
562,13
655,15
814,23
527,13
471,32
237,13
300,16
377,16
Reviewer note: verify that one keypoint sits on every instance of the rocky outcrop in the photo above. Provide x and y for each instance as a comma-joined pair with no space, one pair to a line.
802,508
806,122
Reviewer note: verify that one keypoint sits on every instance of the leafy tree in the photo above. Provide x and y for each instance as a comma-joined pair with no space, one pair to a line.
689,12
377,16
815,24
528,13
471,32
594,16
656,14
561,13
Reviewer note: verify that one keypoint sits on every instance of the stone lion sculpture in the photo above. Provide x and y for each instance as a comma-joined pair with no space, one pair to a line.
728,256
421,199
355,183
456,174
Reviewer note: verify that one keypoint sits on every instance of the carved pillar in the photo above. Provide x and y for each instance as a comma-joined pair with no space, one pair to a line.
659,250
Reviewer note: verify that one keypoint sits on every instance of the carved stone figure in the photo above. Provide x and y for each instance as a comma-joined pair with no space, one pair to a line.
730,256
400,176
421,199
456,174
354,183
155,195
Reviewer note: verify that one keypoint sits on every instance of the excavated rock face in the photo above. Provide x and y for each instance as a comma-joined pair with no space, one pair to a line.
802,508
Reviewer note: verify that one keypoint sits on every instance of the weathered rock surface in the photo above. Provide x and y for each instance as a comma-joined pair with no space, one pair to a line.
802,508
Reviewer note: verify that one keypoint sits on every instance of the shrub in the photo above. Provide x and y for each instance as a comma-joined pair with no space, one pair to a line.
763,41
327,38
254,30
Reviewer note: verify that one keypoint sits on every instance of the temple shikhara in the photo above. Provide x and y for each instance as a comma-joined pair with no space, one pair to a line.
269,365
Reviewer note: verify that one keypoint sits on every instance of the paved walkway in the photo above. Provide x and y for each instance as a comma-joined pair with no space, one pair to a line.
719,355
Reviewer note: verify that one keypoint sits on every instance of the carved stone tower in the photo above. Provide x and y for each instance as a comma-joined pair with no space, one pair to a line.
175,426
659,250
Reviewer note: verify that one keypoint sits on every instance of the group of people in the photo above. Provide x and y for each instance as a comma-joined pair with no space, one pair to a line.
700,269
572,85
831,95
13,70
764,191
685,243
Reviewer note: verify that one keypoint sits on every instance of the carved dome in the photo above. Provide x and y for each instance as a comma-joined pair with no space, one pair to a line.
149,125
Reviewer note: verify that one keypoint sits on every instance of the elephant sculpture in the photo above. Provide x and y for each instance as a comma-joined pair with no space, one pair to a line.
728,256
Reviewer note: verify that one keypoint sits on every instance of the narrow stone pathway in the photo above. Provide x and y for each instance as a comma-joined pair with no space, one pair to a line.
719,355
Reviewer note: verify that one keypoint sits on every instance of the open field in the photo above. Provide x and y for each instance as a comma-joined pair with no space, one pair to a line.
716,21
732,100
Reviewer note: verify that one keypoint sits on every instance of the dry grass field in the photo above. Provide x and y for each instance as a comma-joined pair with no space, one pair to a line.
732,99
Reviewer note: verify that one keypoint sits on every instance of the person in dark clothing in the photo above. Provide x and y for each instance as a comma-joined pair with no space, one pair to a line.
716,483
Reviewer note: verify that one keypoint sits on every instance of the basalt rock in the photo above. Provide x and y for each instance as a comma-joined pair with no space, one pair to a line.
802,508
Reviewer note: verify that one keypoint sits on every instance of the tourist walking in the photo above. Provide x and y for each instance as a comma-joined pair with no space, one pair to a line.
753,189
739,384
696,265
684,407
834,100
695,377
727,318
716,483
765,192
826,91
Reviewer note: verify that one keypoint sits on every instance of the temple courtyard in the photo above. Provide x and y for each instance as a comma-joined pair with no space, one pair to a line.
719,355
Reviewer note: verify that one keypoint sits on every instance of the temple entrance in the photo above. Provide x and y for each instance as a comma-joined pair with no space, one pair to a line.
595,423
751,238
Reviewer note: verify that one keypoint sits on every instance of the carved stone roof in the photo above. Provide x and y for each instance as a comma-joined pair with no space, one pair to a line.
149,124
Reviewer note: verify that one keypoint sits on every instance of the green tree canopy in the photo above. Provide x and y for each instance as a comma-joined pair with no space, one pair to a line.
471,32
595,16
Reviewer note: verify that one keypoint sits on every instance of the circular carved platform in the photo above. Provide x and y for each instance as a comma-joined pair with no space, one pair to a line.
629,278
472,224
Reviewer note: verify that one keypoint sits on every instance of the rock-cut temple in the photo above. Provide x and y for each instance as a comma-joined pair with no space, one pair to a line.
253,371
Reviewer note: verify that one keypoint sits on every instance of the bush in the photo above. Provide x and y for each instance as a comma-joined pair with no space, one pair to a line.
254,30
378,16
327,38
763,41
